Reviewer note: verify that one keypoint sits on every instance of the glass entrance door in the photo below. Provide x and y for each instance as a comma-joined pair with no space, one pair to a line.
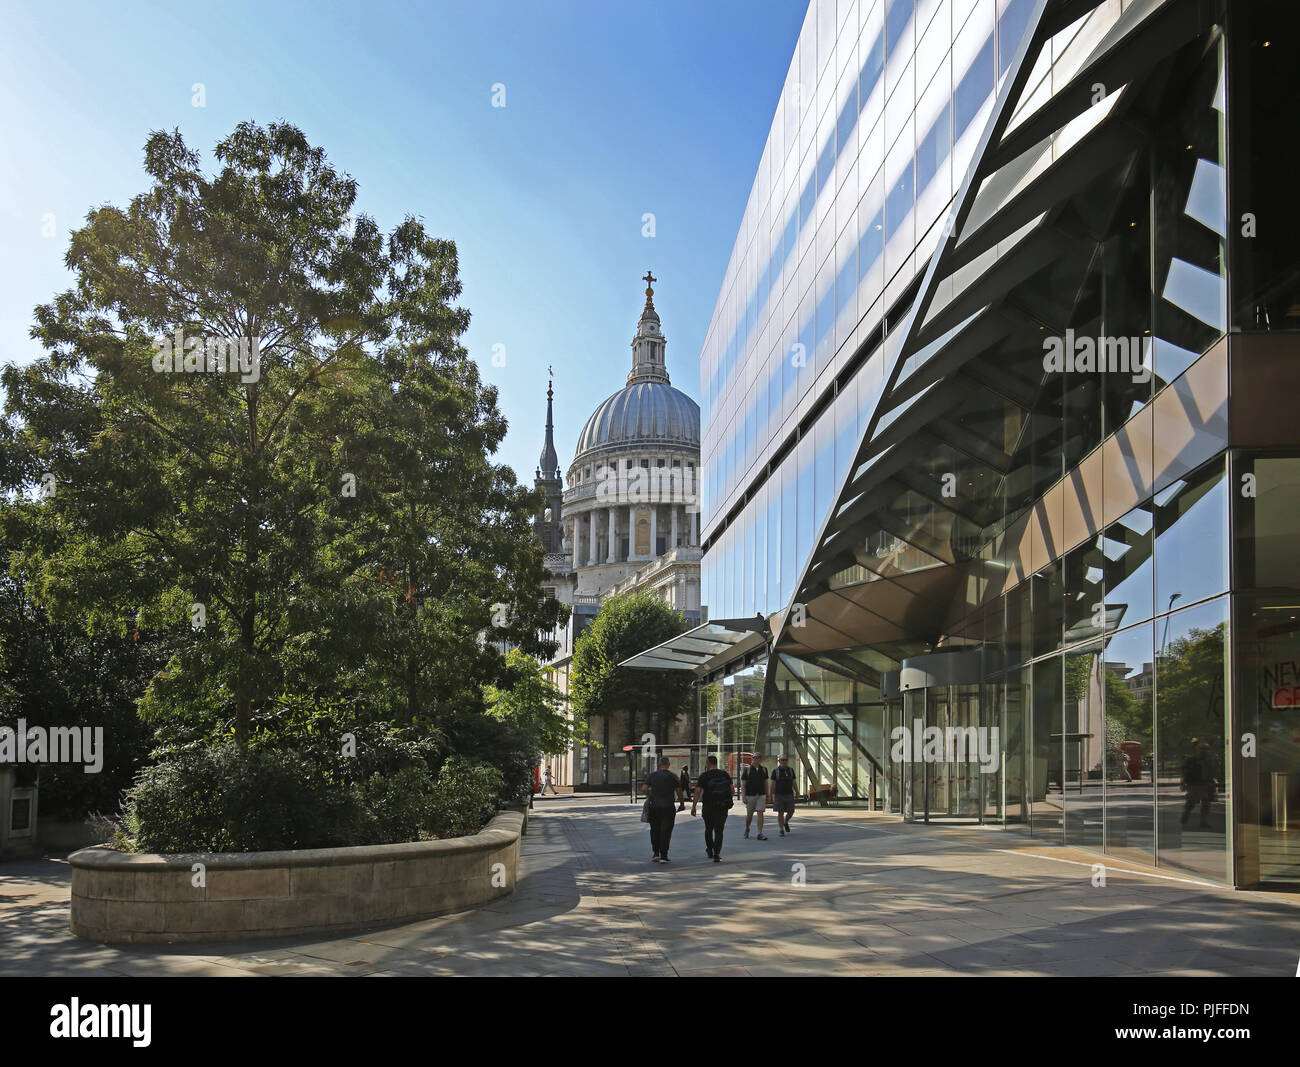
951,765
952,748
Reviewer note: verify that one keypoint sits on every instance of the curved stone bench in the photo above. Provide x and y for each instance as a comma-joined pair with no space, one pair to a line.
120,896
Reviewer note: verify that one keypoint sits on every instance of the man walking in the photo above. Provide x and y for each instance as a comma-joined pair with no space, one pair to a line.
713,787
1199,784
755,783
660,786
550,784
782,788
686,784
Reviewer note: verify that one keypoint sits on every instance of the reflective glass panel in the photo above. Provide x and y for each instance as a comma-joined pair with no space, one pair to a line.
1191,739
1191,528
1129,744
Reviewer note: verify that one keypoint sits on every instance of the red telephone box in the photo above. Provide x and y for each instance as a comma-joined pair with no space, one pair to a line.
735,760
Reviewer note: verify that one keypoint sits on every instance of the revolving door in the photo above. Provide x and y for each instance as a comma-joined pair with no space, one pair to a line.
946,756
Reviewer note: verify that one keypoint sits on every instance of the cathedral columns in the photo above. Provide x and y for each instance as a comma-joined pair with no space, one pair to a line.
591,538
613,523
694,518
576,538
672,539
654,531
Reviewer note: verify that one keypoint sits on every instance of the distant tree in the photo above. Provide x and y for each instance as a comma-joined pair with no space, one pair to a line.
533,705
625,625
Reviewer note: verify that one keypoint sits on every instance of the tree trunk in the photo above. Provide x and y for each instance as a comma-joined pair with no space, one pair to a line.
243,709
248,620
413,611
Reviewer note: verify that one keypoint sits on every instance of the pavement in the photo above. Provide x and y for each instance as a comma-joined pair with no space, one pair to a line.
847,893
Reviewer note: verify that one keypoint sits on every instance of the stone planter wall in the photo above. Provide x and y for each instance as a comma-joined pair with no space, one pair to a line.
63,835
118,896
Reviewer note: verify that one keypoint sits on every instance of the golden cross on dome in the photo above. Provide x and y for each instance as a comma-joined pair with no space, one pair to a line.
649,280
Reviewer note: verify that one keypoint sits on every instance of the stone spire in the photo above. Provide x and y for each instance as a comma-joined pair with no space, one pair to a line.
546,523
648,345
549,464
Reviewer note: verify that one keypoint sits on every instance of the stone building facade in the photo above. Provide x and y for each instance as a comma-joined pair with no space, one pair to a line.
625,517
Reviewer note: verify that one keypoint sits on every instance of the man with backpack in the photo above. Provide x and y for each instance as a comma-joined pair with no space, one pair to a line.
782,787
686,785
755,780
713,787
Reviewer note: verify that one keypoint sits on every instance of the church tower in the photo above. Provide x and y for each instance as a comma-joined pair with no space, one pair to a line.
547,524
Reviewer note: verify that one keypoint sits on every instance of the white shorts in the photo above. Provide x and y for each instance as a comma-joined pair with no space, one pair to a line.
753,804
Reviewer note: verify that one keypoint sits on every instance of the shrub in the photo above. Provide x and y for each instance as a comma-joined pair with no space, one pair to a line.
117,832
465,795
215,798
399,805
480,739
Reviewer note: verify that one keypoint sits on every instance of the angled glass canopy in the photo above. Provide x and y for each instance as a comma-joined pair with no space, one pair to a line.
705,647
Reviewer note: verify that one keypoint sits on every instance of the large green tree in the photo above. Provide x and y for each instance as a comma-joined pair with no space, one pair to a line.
600,688
326,524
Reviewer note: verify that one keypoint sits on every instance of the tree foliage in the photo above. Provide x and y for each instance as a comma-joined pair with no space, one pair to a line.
54,675
335,514
532,704
1190,683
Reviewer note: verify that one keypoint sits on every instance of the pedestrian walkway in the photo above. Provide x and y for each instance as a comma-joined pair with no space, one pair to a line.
847,893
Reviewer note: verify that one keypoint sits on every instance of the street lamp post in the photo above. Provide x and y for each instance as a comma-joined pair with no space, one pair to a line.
1172,598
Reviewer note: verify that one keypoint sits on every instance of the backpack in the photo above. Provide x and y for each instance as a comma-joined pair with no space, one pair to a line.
718,790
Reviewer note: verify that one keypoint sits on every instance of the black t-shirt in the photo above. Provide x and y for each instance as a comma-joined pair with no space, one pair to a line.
663,788
783,781
716,786
1196,770
755,779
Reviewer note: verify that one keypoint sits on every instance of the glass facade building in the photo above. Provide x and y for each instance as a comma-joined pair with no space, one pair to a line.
997,434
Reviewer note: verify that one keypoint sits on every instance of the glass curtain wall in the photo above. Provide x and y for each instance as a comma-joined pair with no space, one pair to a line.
1146,683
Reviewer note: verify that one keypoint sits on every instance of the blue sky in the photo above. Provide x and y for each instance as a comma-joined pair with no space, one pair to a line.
613,109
